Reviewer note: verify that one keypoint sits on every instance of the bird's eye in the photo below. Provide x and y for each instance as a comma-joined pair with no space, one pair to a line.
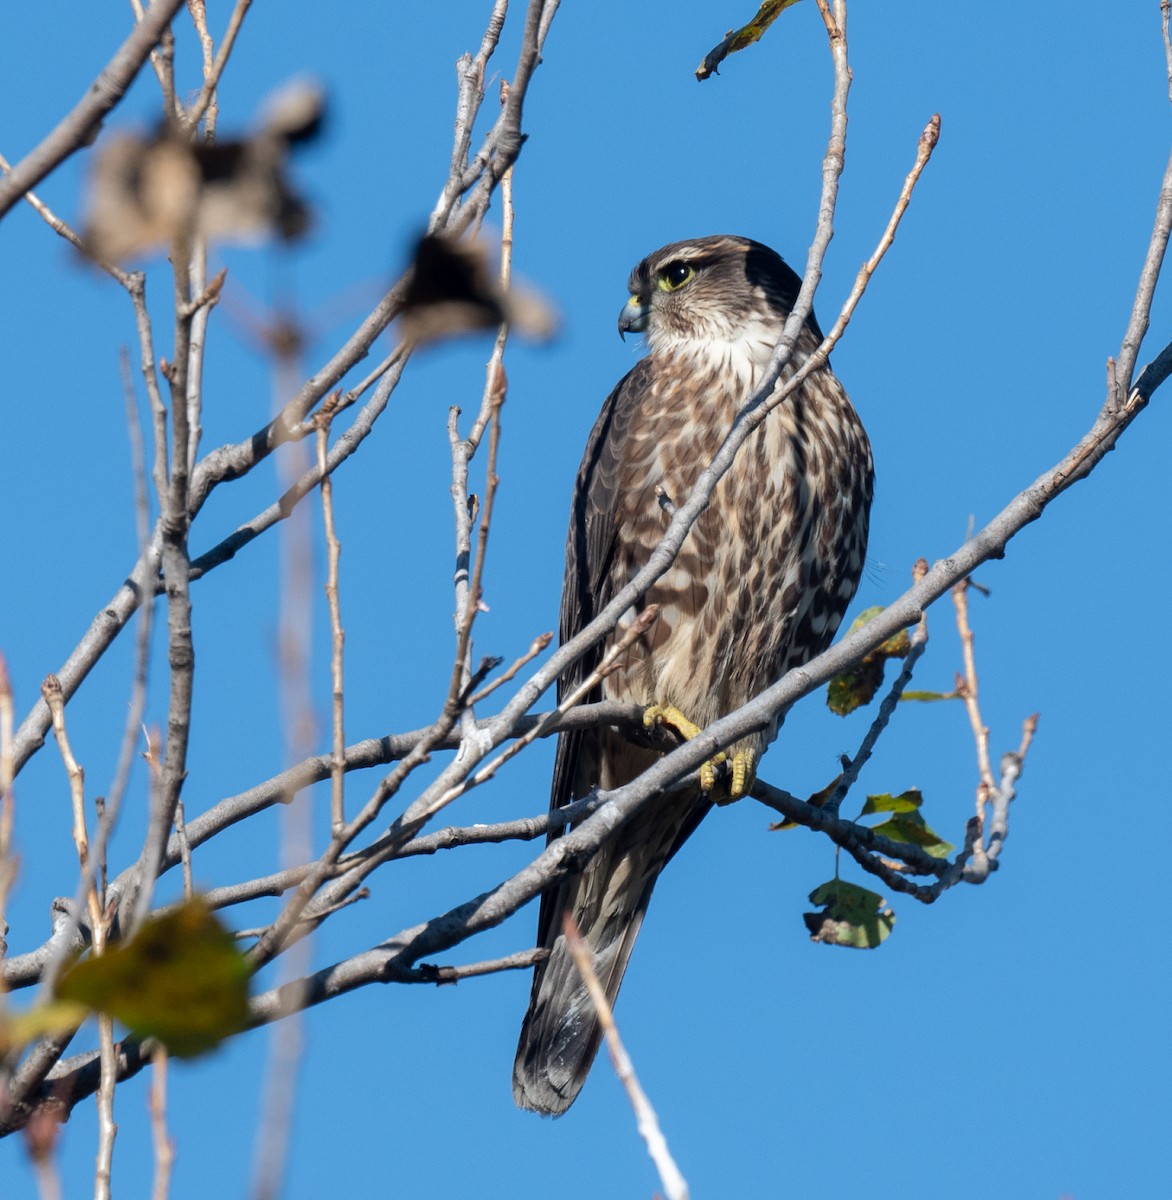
674,276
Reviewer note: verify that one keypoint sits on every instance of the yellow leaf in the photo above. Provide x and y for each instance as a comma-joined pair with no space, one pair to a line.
55,1017
738,39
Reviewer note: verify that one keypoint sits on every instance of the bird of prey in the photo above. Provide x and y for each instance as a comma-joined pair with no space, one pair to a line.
759,586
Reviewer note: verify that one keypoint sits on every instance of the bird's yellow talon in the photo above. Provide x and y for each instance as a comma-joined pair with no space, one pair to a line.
742,762
668,714
743,771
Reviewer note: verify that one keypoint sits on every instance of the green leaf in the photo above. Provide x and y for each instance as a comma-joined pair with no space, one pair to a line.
864,618
738,39
857,687
907,801
852,916
911,828
180,979
928,697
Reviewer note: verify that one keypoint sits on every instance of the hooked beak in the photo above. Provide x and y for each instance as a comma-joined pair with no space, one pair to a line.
633,318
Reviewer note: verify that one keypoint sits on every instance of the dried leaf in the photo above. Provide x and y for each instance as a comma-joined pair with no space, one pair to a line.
144,192
853,689
294,112
451,292
180,979
738,39
851,916
818,799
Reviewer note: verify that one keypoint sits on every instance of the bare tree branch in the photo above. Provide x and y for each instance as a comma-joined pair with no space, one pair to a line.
79,126
499,151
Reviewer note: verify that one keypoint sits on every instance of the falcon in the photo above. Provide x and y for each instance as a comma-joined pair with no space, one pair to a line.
759,587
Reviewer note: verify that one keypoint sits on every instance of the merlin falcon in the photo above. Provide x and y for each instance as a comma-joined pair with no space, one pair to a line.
759,586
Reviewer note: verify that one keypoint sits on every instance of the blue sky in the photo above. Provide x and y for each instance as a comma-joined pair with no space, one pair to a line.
1012,1040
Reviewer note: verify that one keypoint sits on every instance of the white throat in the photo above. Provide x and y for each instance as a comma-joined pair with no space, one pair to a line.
741,354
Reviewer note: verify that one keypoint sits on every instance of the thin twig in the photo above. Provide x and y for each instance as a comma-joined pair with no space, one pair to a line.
919,643
51,690
175,524
470,95
184,849
248,934
162,62
199,19
206,99
536,647
107,1129
398,355
469,595
610,661
927,144
967,688
431,973
337,633
138,693
1165,9
990,825
674,1184
163,1143
64,230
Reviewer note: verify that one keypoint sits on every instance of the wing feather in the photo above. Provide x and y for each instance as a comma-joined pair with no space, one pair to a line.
588,586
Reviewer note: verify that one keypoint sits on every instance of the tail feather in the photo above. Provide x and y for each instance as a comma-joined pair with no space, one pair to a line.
561,1033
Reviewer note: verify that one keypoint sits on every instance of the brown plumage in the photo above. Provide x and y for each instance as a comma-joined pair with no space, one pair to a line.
760,586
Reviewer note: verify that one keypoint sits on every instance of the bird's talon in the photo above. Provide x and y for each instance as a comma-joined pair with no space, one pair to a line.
742,763
743,772
668,714
707,777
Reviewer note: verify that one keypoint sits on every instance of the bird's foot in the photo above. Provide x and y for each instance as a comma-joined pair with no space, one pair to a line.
668,714
741,767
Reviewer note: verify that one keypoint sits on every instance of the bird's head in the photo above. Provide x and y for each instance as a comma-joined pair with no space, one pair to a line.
712,289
